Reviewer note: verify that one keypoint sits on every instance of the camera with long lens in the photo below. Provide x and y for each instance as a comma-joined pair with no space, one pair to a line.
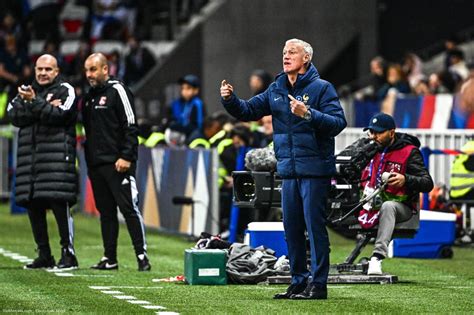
254,189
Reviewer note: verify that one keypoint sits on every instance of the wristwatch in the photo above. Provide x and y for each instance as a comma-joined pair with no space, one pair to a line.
307,116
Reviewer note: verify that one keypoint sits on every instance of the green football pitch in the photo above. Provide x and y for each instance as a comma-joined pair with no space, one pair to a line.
426,286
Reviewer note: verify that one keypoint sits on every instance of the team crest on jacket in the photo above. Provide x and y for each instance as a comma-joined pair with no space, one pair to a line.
49,96
103,100
305,98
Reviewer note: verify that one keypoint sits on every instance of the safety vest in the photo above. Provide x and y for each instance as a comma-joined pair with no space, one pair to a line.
462,180
222,171
214,141
3,103
141,140
393,161
154,139
200,143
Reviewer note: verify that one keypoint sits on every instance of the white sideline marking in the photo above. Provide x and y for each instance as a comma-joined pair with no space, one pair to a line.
120,287
25,259
131,299
124,297
138,302
166,313
64,274
10,254
15,256
94,276
153,307
112,292
97,287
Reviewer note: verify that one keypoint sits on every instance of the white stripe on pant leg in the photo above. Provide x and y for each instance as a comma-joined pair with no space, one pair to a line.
134,192
70,223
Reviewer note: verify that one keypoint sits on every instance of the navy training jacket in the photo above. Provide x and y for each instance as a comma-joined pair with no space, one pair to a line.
302,148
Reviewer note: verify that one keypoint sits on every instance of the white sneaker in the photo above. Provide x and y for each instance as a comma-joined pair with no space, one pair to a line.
375,266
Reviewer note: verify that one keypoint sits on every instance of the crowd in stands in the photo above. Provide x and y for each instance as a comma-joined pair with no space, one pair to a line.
388,79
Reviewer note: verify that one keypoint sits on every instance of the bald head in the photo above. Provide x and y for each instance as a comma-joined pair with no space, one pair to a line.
96,69
98,58
46,69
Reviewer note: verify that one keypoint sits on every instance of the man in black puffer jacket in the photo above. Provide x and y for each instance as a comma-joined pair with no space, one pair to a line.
46,175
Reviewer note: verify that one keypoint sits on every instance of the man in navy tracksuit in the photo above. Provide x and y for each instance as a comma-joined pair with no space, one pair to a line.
306,117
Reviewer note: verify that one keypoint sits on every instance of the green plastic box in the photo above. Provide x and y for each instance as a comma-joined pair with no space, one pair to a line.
205,266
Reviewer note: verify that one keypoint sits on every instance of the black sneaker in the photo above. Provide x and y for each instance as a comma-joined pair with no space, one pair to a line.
143,263
105,264
41,262
68,260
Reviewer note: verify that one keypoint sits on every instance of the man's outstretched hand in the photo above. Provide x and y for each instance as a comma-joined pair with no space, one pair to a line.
226,90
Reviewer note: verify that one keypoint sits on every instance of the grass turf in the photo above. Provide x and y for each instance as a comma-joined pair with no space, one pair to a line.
426,286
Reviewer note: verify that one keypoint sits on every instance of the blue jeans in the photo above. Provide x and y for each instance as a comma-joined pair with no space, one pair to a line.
304,209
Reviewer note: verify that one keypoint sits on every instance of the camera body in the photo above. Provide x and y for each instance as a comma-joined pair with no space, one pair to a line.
254,189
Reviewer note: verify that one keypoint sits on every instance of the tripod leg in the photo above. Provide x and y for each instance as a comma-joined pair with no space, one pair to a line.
361,243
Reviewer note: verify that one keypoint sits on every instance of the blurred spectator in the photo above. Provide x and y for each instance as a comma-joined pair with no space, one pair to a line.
396,82
259,81
441,82
15,69
116,68
376,80
113,18
412,66
51,47
187,112
11,28
422,88
138,61
458,66
450,45
228,149
43,17
199,138
76,67
267,129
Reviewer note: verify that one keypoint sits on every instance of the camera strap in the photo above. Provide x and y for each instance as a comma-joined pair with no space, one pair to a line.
378,175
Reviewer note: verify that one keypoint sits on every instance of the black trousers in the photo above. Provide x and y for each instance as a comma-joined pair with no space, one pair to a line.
37,214
114,190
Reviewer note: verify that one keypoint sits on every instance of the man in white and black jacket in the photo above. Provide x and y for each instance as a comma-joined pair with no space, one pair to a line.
46,176
111,153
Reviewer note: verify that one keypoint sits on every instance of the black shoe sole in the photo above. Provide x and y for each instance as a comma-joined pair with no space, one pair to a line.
305,297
